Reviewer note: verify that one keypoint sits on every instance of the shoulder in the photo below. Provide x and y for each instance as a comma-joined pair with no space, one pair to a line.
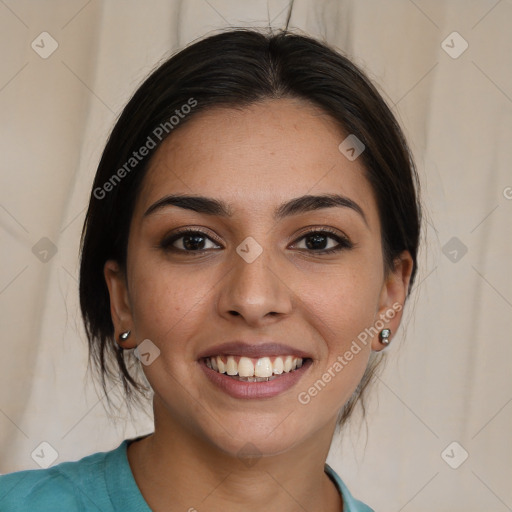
350,504
38,489
69,486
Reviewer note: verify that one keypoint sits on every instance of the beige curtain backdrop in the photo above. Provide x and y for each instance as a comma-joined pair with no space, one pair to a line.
68,68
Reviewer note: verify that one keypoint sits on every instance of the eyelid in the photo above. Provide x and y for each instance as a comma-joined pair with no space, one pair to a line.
342,240
323,229
180,232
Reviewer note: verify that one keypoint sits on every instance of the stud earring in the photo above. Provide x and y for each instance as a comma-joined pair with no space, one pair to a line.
124,336
384,336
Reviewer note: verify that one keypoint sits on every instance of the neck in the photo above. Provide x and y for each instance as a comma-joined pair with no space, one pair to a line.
176,469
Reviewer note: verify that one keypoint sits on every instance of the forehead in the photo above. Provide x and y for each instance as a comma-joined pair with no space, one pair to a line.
256,157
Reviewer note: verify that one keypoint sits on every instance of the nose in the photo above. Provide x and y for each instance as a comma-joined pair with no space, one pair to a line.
256,291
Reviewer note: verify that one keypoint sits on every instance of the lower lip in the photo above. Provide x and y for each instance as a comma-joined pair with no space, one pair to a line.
265,389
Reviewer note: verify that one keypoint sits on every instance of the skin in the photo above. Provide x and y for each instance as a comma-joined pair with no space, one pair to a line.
253,159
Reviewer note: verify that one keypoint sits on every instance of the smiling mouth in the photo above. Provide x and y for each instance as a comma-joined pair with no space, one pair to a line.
249,369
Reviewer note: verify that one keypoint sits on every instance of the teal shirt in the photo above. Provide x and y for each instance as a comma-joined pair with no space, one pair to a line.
101,482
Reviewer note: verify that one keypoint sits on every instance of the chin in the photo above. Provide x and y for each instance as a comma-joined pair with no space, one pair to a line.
251,437
252,446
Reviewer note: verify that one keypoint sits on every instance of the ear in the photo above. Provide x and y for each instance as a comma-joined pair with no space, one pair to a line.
392,297
120,308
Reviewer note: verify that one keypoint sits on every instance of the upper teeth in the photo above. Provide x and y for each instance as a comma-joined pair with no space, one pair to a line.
247,367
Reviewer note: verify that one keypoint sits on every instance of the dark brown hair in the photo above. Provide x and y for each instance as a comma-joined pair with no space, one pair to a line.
237,68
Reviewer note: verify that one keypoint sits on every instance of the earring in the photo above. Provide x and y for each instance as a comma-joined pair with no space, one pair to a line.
124,336
384,336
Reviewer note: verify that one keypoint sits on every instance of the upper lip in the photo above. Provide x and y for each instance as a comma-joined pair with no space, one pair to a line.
241,348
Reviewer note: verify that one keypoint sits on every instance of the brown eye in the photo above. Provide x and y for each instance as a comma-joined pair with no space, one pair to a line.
321,242
188,241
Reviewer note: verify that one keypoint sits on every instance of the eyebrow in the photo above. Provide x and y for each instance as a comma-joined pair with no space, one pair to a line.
298,205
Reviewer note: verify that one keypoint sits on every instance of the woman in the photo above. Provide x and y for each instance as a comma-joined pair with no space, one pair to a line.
250,242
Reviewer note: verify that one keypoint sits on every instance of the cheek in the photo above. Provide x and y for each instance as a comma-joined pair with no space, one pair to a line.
340,317
339,312
342,306
344,299
165,300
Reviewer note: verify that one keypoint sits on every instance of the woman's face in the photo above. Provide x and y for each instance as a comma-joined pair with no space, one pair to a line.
254,277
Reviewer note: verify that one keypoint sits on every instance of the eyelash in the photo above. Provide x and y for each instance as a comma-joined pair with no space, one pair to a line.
343,241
